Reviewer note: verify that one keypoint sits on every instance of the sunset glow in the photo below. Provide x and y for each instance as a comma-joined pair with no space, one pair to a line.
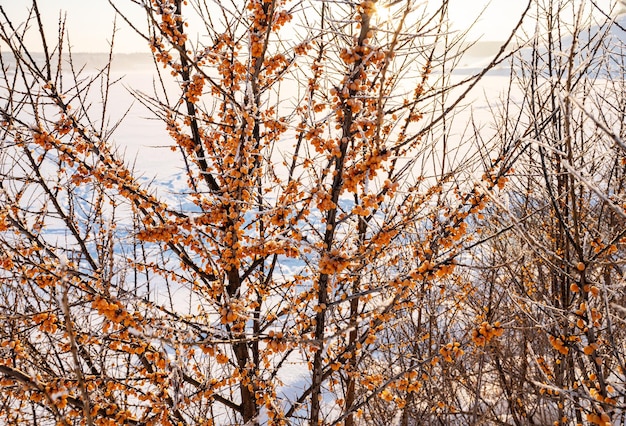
90,24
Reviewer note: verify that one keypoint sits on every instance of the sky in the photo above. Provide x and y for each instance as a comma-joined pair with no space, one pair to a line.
89,22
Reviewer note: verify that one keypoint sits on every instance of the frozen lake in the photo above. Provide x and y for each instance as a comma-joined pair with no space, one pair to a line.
146,143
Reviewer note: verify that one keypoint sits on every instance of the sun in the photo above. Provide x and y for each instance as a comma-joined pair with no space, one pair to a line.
383,11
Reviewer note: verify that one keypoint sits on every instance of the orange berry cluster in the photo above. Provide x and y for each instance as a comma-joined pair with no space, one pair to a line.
47,322
276,342
451,351
486,332
599,419
559,344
